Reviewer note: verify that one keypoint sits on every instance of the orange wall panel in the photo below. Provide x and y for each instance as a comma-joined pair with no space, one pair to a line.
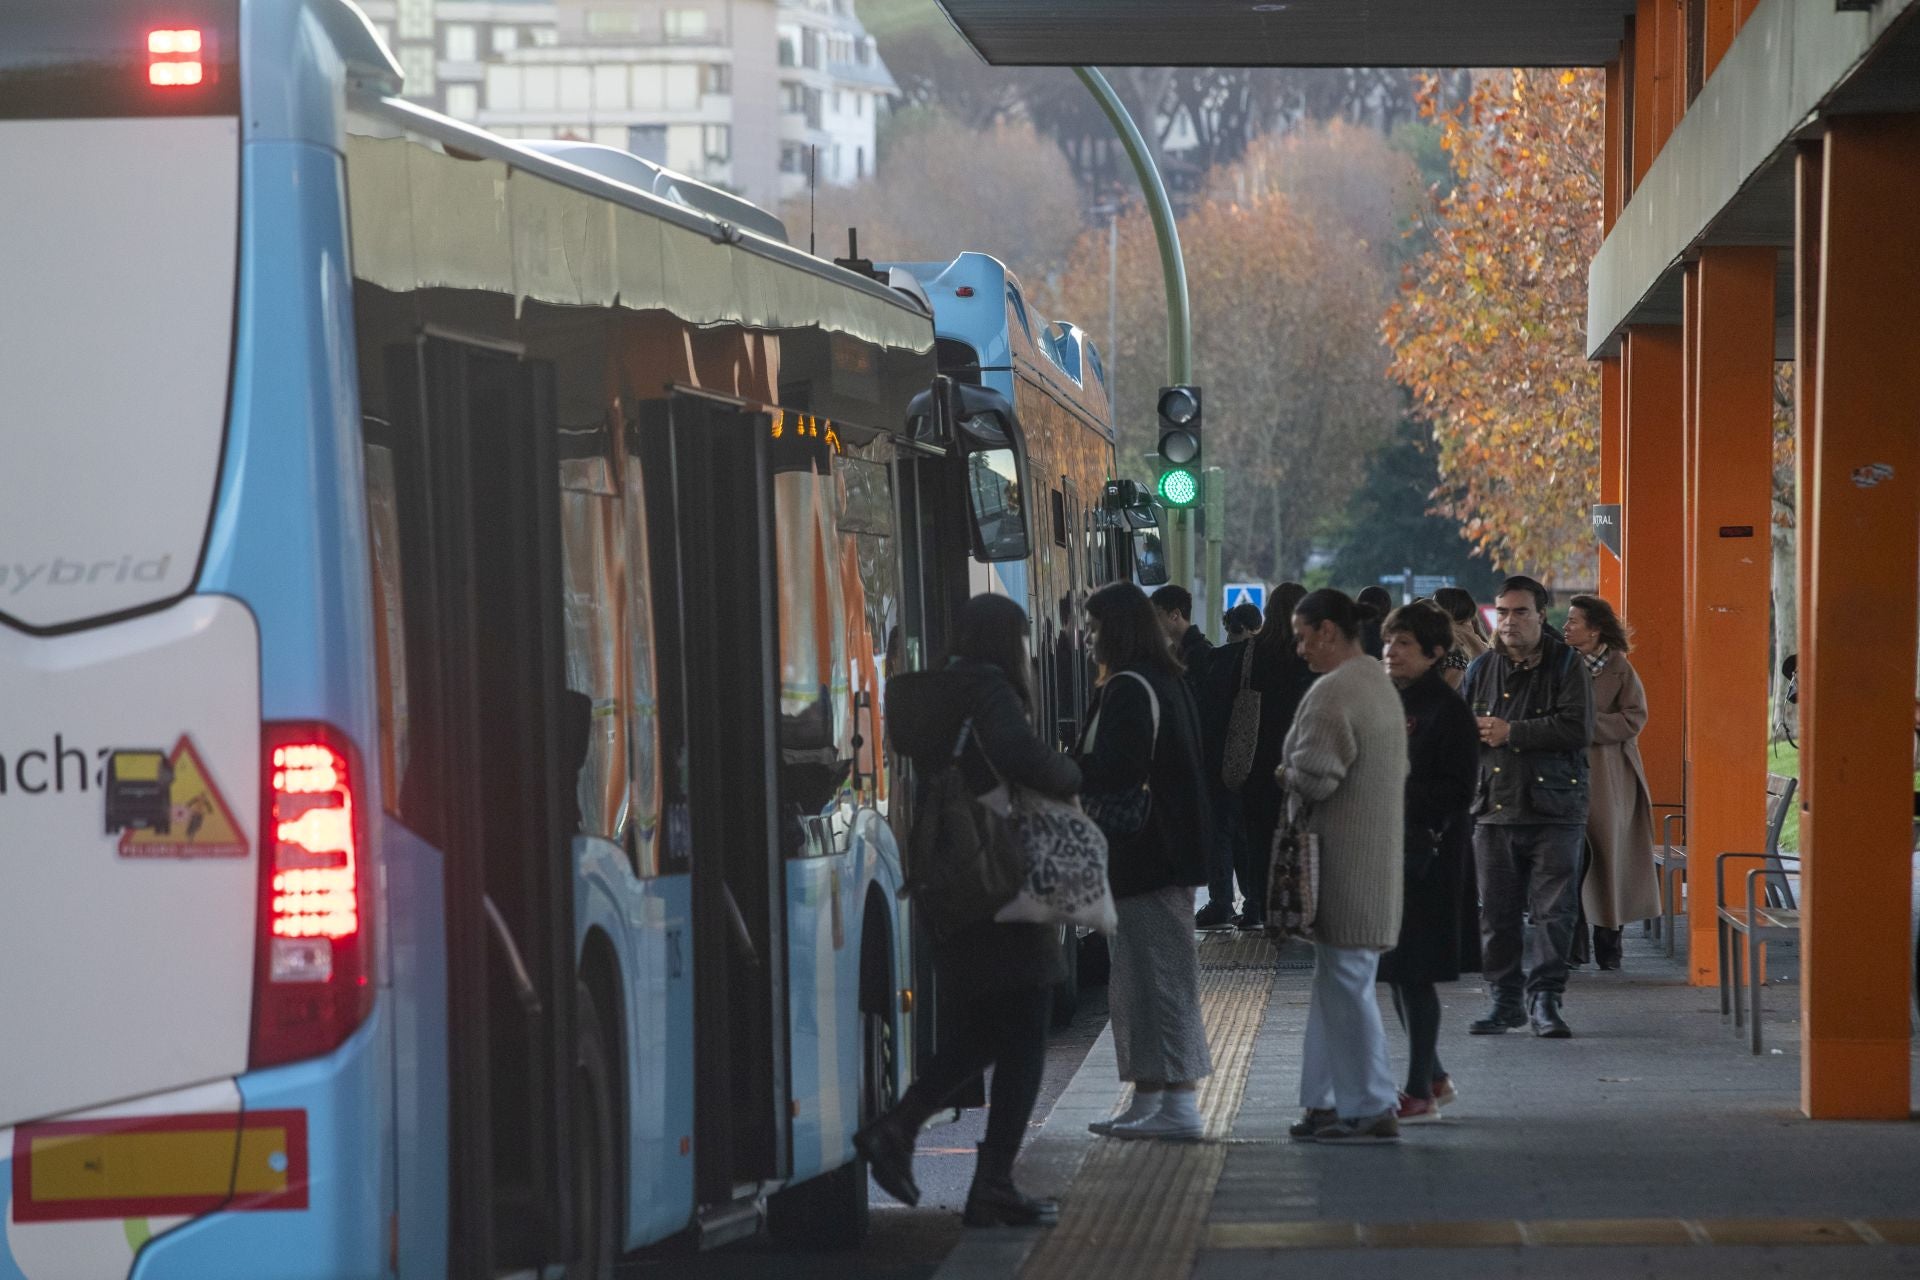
1652,539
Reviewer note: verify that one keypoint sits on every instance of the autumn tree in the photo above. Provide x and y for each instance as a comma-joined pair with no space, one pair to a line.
944,188
1285,344
1489,330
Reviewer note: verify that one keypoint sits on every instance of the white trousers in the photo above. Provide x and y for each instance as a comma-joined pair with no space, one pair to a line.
1344,1066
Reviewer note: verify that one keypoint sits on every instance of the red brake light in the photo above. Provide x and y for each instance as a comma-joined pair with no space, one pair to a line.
311,987
173,57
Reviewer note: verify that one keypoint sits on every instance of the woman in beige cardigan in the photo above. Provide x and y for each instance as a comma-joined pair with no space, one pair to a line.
1619,884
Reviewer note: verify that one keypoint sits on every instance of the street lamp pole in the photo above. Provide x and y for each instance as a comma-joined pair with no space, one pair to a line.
1173,269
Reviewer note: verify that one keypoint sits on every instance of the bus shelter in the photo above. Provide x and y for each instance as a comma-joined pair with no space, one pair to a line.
1762,164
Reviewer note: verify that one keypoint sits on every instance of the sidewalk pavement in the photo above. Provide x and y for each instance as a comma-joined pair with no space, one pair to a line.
1651,1144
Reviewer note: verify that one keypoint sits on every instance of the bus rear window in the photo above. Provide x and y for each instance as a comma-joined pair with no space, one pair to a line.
87,59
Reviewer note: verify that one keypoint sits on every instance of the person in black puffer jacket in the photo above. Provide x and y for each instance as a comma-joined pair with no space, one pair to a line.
1144,730
996,980
1282,678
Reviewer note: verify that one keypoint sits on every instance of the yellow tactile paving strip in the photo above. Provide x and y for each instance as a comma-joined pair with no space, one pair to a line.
1562,1232
1138,1209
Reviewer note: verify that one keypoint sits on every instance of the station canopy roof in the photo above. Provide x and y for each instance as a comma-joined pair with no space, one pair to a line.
1298,33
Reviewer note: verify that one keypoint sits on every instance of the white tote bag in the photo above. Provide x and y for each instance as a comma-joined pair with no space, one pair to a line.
1066,862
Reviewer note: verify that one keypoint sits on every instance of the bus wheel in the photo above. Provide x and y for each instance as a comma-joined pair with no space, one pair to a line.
596,1209
830,1211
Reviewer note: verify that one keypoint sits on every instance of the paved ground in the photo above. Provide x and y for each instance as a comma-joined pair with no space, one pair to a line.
904,1244
1651,1144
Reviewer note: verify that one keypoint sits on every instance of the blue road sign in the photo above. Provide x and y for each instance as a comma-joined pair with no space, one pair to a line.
1253,593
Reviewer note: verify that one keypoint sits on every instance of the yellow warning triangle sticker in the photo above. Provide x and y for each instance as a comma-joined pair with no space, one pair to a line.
200,824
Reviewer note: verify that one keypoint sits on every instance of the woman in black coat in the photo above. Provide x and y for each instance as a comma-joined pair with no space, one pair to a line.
1143,729
1440,926
996,980
1281,677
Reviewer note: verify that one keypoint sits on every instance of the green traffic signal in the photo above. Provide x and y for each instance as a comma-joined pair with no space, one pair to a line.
1179,487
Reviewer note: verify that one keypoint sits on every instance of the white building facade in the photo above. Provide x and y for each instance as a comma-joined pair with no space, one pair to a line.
743,94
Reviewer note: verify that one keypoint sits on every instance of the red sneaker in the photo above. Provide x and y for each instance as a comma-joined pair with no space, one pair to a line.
1443,1091
1417,1110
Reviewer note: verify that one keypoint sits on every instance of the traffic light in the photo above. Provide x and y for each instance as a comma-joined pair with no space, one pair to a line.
1179,410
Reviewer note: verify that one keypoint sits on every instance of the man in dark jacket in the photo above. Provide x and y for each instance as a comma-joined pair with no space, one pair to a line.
1214,692
1532,698
1174,604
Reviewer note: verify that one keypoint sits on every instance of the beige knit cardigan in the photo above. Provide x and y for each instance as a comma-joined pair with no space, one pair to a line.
1346,756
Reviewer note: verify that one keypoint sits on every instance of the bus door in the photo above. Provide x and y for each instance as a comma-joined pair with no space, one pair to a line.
496,744
726,742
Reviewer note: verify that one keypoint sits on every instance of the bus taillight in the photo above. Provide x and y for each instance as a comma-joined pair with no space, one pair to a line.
173,58
311,985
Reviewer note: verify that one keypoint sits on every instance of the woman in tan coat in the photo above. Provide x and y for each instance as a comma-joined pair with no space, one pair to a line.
1619,884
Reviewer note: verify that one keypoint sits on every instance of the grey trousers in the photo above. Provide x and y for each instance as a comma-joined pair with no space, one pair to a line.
1527,870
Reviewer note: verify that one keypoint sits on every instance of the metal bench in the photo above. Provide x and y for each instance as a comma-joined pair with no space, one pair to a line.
1766,913
1669,868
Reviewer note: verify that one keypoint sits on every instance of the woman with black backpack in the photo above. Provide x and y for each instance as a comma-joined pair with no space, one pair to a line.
996,980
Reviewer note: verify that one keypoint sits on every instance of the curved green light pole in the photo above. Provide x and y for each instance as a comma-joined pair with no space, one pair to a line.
1173,267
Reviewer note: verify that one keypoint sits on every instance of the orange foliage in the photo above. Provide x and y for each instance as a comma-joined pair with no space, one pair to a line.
1488,332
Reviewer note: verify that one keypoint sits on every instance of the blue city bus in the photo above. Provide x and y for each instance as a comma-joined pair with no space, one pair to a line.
445,596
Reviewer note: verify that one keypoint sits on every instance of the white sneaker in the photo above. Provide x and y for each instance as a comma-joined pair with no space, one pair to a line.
1141,1106
1176,1120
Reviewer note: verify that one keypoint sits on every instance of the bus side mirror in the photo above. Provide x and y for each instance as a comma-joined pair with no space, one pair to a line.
1149,558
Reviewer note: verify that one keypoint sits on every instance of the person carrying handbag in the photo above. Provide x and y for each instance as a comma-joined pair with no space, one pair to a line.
1140,758
996,980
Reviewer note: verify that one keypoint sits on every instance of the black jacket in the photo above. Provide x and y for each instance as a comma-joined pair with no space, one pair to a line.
1440,926
924,713
1213,695
1171,849
1540,775
1195,652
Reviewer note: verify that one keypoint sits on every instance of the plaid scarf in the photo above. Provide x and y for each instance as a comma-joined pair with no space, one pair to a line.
1597,659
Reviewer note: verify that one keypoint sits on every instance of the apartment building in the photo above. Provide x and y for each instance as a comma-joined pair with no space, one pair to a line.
744,94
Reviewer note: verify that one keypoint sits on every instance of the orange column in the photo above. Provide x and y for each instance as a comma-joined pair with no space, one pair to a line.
1652,531
1723,21
1645,42
1611,445
1730,344
1857,835
1611,196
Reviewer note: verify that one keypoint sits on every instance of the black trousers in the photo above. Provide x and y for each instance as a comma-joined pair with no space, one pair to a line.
1532,869
1260,802
1419,1007
1005,1030
1229,835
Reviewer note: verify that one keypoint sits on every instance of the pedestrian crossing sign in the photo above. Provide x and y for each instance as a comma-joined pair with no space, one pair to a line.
1253,593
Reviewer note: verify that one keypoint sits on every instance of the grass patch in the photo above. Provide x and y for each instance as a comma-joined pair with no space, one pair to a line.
1783,758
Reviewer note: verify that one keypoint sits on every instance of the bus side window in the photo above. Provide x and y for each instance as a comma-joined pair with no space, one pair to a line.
389,615
593,541
643,663
870,583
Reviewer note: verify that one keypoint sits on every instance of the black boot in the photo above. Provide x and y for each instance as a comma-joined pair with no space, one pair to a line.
1505,1014
1606,947
887,1147
993,1200
1546,1019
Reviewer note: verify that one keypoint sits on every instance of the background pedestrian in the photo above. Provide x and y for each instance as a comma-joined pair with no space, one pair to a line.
1282,677
1440,922
1345,770
1532,698
1375,604
1620,884
1470,638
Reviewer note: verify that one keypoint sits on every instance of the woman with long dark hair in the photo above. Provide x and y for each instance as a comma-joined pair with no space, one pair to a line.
1282,679
1440,922
1470,638
1143,732
996,980
1618,884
